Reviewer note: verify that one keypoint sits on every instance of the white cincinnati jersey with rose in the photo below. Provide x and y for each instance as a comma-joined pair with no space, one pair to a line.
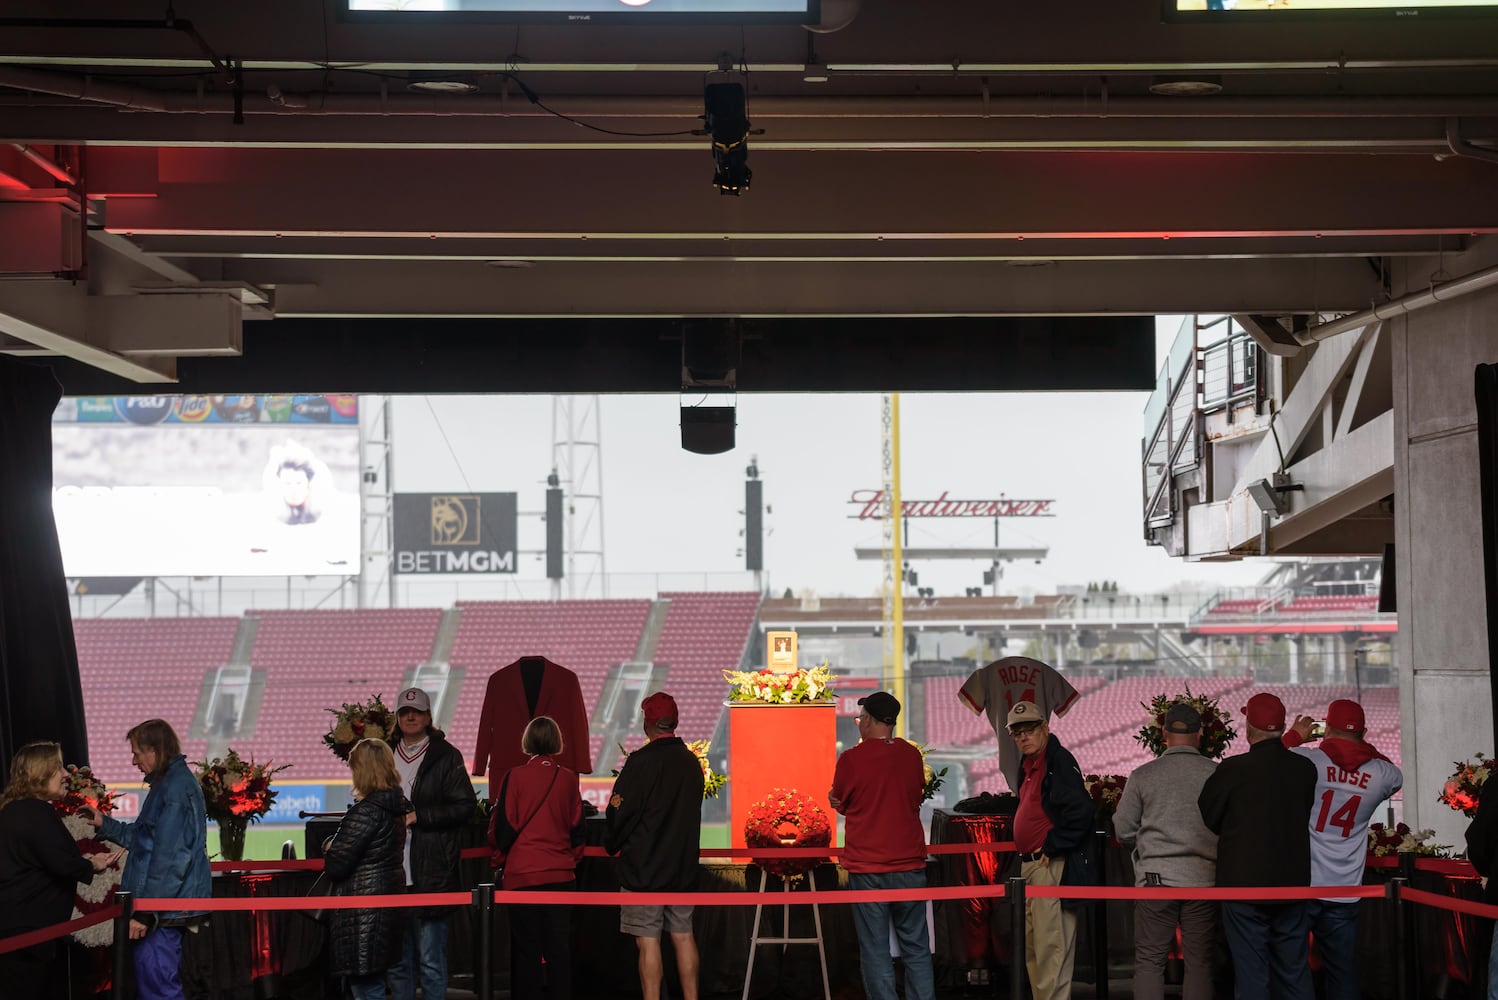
995,689
1346,800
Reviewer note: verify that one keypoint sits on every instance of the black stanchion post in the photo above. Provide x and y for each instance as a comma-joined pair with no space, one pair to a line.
1409,975
121,943
483,898
1100,922
1403,959
1018,980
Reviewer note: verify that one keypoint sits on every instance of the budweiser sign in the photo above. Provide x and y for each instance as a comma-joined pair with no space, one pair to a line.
871,506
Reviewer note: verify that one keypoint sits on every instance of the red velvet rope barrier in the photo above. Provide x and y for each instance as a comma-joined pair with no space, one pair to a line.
523,897
1256,894
1230,894
30,938
614,898
598,852
1447,903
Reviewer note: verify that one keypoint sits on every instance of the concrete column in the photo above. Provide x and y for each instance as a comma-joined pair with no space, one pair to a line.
1445,683
1294,651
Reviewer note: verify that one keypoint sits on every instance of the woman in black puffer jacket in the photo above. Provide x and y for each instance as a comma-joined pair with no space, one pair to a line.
364,859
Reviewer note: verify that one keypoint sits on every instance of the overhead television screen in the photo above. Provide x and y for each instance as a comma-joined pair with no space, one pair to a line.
207,485
1310,10
586,11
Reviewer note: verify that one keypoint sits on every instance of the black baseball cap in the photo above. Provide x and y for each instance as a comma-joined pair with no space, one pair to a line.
1182,718
881,705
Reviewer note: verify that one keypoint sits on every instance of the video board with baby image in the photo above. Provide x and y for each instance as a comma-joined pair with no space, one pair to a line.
238,485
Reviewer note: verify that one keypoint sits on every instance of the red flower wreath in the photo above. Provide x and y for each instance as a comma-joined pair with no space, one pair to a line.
786,818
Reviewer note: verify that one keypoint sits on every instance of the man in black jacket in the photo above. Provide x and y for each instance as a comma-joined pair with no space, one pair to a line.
434,778
1259,805
1482,851
1051,829
655,827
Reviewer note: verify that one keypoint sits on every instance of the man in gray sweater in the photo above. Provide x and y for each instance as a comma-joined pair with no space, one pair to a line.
1158,815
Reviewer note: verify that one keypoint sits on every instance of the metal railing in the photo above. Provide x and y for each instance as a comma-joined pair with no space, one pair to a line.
1212,366
1230,365
1172,442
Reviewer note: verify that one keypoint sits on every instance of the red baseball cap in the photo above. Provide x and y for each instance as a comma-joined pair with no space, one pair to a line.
1265,712
1346,715
660,708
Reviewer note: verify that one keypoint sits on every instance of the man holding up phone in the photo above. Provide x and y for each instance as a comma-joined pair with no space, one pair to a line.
1352,780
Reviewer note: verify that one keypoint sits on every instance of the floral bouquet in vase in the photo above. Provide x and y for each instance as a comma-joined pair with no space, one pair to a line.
931,780
236,793
1464,788
1106,790
798,687
369,720
1217,729
1383,842
82,789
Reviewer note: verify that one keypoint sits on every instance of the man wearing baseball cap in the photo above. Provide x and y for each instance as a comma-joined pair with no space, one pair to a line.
1259,805
1352,780
877,787
655,827
1052,831
1157,816
435,780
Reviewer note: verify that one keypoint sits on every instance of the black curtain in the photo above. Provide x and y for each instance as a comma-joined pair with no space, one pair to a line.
1487,471
41,697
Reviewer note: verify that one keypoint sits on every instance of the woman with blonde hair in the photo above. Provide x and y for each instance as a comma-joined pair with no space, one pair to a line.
365,858
535,832
40,868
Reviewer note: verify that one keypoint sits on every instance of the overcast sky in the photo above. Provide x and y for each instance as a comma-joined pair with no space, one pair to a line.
670,511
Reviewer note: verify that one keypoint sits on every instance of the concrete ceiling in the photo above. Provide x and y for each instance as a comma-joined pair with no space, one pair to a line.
965,158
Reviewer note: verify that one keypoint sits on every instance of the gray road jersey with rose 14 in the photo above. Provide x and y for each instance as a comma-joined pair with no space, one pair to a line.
1001,685
1345,803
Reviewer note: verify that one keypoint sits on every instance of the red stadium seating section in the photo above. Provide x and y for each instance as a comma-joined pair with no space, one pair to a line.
704,635
317,660
134,669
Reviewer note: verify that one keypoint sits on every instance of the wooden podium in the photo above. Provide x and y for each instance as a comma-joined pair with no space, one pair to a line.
778,746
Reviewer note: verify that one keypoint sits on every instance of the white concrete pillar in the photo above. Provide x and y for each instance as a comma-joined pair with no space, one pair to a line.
1445,684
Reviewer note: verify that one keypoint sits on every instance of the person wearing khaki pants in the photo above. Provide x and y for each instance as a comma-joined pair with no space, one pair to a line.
1050,933
1053,820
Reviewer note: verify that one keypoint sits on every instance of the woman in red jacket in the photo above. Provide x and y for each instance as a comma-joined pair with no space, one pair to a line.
535,832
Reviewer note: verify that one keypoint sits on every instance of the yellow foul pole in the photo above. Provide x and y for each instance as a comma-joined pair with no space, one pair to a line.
894,561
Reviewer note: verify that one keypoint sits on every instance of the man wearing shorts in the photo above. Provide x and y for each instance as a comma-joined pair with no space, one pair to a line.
655,827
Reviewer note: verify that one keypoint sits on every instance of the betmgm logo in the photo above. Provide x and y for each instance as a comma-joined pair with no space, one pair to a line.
457,541
455,520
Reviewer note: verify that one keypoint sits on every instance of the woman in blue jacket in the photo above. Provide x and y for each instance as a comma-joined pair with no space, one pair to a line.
168,856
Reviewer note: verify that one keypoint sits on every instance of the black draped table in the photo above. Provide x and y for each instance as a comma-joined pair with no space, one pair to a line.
249,956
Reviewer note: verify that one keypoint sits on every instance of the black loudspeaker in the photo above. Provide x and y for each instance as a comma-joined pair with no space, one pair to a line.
708,430
1386,591
754,525
554,548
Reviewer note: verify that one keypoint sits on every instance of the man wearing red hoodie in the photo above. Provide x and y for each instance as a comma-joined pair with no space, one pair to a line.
1352,780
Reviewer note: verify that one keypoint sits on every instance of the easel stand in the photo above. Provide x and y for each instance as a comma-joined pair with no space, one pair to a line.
755,940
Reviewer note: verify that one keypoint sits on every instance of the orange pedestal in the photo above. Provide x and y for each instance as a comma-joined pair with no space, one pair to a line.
778,746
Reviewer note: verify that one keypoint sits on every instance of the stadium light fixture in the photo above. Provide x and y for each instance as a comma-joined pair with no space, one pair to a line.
726,113
1269,497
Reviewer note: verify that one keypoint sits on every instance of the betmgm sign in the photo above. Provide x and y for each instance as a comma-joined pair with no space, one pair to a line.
455,533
